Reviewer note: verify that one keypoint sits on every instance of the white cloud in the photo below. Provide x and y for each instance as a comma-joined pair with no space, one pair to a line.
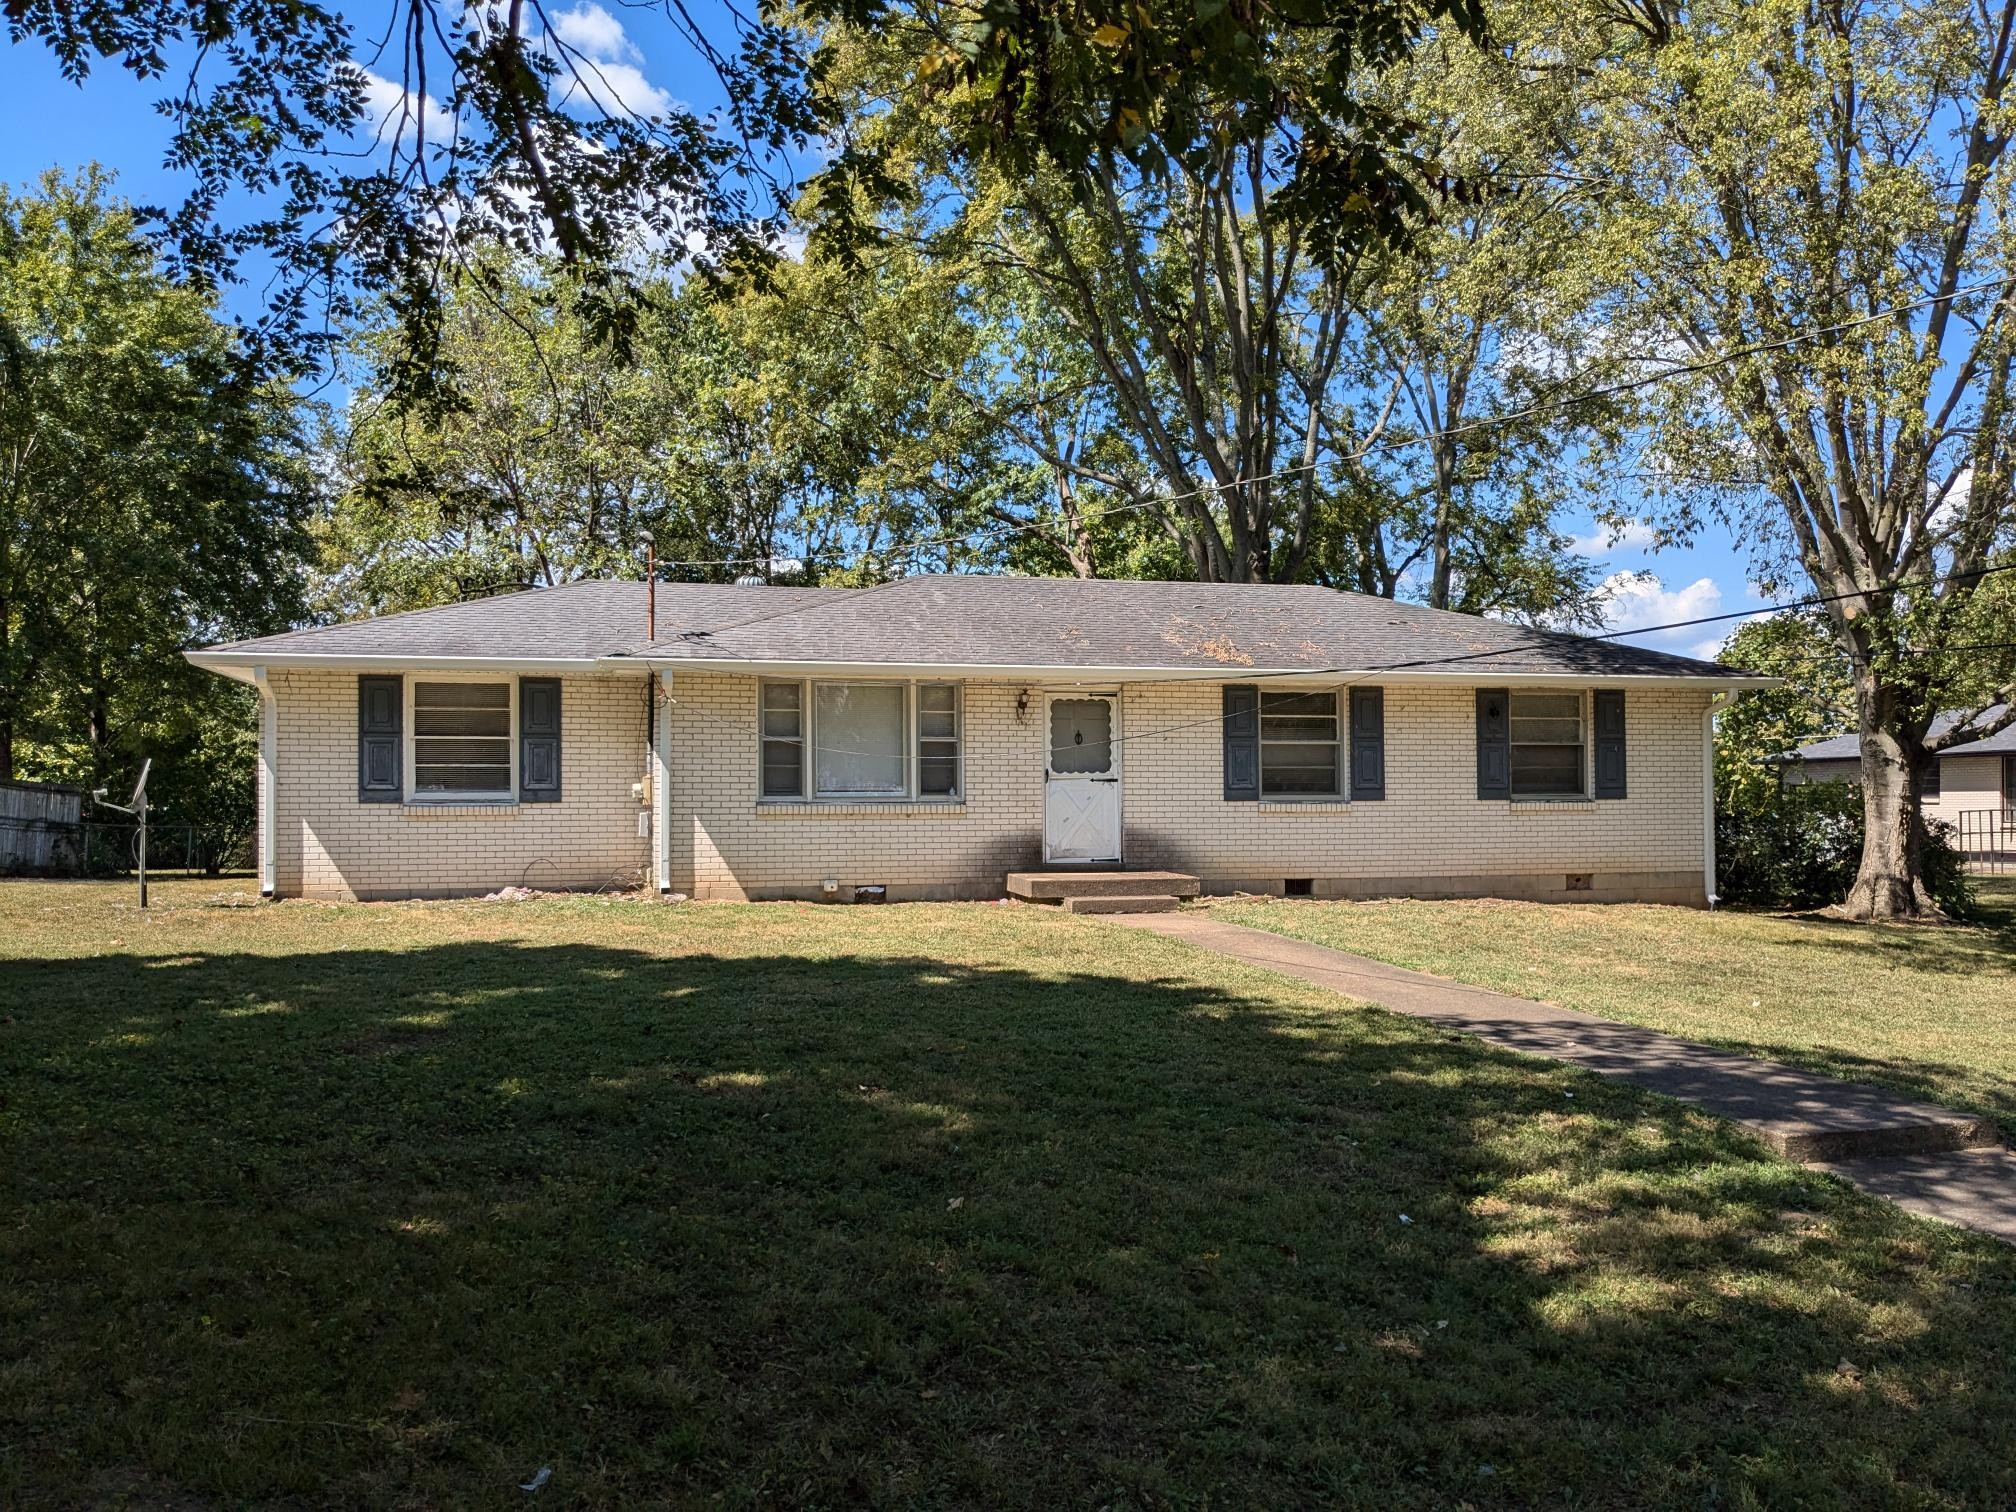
1640,601
1635,535
595,32
394,112
602,68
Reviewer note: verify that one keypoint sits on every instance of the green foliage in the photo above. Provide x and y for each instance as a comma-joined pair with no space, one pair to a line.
1818,224
500,132
1156,335
1816,699
795,420
1800,847
1078,88
150,500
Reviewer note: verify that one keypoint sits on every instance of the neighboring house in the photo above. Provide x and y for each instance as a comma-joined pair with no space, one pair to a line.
930,735
1972,777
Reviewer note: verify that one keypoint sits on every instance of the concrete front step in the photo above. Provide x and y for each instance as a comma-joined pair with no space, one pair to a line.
1051,886
1115,903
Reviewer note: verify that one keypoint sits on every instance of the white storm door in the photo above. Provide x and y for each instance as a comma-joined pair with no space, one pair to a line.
1081,790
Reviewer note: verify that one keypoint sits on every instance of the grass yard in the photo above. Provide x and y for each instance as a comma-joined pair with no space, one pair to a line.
921,1206
1928,1011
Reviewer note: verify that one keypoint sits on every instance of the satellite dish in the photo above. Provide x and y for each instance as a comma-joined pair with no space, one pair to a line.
140,786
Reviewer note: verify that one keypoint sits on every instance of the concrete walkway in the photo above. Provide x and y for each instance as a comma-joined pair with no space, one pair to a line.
1920,1156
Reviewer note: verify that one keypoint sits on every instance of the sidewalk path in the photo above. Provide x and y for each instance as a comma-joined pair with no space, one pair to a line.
1923,1157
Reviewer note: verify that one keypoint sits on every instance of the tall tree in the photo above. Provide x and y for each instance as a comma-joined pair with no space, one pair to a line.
503,128
792,422
150,496
1819,211
1183,341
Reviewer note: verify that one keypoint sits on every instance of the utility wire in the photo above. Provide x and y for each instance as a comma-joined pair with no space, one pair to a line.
1353,676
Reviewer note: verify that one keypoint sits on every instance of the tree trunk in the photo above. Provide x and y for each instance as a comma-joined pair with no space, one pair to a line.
1890,883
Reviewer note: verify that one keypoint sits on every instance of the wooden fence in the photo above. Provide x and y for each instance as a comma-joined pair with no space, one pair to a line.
41,828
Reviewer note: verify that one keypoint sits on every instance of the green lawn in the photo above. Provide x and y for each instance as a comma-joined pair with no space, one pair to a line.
921,1206
1928,1011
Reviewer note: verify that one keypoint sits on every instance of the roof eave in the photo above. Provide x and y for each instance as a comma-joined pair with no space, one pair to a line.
238,663
1472,676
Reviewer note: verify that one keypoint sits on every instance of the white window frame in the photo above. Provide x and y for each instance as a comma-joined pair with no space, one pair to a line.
803,739
1585,725
413,794
808,741
1340,708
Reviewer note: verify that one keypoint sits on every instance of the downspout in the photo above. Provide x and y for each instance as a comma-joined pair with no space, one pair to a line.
1716,705
661,785
268,785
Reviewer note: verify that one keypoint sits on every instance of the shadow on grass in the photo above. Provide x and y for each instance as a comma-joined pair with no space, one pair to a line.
402,1226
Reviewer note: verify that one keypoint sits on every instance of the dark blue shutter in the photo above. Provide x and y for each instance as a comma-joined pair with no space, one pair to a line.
538,740
381,721
1494,743
1242,742
1368,743
1610,743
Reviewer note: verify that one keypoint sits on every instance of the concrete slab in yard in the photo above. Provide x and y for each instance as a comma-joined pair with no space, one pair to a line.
1973,1188
1800,1114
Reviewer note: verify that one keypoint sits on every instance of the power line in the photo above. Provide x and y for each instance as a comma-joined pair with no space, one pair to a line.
1605,391
1353,676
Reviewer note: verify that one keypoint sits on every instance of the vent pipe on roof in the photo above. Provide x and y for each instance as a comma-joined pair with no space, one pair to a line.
750,580
651,590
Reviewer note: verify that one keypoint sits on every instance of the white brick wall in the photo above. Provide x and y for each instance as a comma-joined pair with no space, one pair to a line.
1430,834
328,845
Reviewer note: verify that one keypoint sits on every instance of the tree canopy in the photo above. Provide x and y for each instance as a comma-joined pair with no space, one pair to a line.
504,132
151,498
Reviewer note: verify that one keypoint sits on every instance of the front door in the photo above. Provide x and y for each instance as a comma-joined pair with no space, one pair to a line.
1081,791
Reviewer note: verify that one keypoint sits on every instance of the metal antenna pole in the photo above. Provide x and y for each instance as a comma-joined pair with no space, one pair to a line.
138,809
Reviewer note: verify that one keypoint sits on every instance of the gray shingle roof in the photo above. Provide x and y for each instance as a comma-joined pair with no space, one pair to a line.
981,621
573,622
1062,622
1849,747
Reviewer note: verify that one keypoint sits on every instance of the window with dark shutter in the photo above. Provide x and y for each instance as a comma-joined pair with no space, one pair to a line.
1242,743
1494,743
539,740
1368,743
1300,750
381,711
1609,713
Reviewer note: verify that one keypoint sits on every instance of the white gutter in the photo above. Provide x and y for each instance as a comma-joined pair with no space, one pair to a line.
269,783
1469,671
239,664
1716,705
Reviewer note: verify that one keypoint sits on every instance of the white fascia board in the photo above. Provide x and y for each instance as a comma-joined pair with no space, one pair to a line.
1475,676
238,664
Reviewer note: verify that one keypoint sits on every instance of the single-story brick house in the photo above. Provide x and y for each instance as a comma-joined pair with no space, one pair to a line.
1976,776
932,734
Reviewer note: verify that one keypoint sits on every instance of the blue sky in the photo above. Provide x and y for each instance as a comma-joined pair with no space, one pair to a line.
46,122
